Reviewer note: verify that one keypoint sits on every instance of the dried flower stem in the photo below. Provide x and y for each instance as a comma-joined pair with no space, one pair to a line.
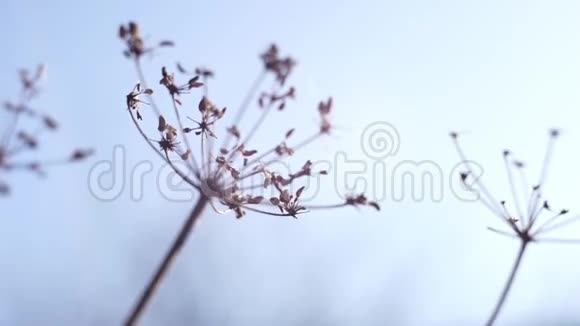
191,163
163,268
246,103
143,81
218,176
523,227
508,285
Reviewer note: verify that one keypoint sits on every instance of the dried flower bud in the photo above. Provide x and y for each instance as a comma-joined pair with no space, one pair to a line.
194,83
181,69
285,196
375,205
122,32
249,153
170,132
220,160
255,200
234,131
235,173
299,192
204,105
50,123
81,154
204,72
325,107
162,124
133,28
185,156
27,139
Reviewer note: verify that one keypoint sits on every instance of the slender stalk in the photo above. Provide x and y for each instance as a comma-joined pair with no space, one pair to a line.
163,268
9,134
245,104
508,284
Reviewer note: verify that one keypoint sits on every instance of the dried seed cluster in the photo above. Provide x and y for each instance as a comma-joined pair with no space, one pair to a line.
25,130
222,172
528,216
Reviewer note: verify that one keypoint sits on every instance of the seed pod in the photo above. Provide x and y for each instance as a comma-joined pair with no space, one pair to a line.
162,124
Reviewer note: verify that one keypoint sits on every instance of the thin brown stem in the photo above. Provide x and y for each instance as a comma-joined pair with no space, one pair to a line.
12,127
245,104
494,204
331,206
508,284
163,268
558,240
163,157
143,82
191,163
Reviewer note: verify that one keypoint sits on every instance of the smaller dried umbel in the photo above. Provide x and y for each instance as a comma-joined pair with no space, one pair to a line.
527,215
27,131
222,161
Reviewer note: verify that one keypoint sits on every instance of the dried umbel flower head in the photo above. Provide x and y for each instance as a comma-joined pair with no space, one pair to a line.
222,173
527,216
26,130
134,42
221,158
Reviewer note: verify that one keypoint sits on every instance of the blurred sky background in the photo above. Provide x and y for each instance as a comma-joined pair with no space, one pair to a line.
503,72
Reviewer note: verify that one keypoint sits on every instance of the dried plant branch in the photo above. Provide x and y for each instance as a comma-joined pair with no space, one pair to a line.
24,131
163,268
508,285
218,176
522,224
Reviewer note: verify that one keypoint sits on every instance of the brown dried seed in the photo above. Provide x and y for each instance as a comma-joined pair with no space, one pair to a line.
249,153
299,192
185,156
162,124
234,131
220,160
50,123
181,69
255,200
235,173
133,28
122,32
81,154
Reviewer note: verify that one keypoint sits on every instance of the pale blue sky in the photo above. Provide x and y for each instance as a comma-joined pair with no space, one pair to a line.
502,71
